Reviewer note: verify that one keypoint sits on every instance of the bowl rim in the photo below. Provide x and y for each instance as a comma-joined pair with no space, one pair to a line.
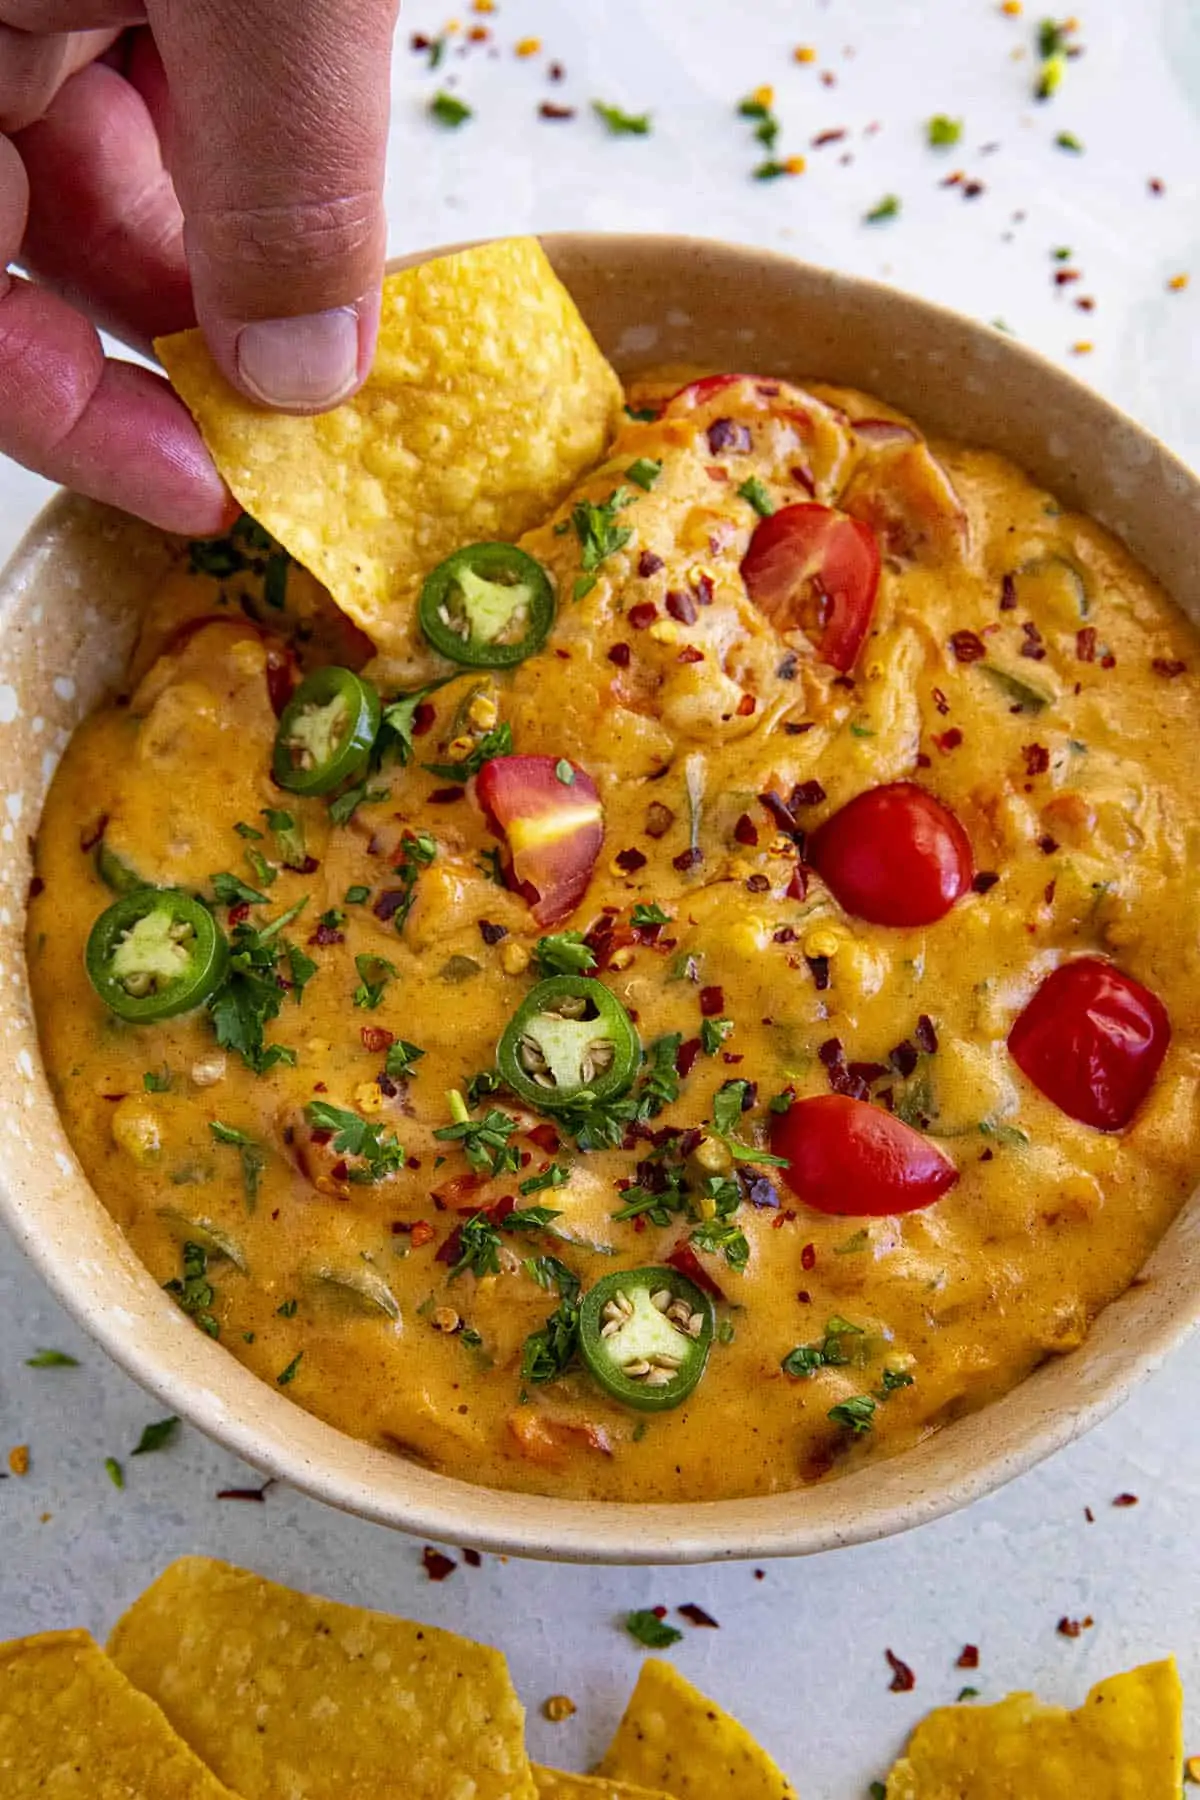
996,1443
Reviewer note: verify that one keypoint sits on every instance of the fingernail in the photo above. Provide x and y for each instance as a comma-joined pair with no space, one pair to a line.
306,363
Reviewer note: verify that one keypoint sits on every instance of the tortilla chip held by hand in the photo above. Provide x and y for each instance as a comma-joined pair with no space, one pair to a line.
488,399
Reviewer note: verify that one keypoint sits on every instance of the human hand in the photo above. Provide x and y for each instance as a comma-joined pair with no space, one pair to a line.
168,162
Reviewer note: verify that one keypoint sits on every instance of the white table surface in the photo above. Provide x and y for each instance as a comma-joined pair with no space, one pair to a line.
800,1651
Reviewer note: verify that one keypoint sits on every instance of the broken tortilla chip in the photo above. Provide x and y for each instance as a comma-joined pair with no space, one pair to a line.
1124,1743
554,1784
488,399
72,1728
674,1739
285,1694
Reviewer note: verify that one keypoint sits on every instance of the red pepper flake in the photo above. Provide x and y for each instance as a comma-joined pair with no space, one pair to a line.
437,1565
1033,646
630,861
819,970
1089,1515
682,607
690,654
424,718
376,1038
954,180
421,1234
649,564
446,796
903,1680
556,71
643,614
926,1035
545,1137
1085,643
90,838
941,702
684,1259
1008,594
1168,667
1071,1628
828,137
702,586
972,190
968,646
256,1494
1126,1500
712,1002
1156,186
808,1257
949,740
687,859
548,110
472,1559
621,654
36,886
1037,758
685,1058
805,793
1064,277
1085,303
696,1615
1109,661
968,1657
746,705
746,831
241,912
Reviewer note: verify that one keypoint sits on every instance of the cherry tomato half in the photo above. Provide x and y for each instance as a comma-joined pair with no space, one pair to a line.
1092,1039
811,568
894,855
847,1156
697,392
553,822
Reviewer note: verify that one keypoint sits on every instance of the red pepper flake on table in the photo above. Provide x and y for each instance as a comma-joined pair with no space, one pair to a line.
903,1680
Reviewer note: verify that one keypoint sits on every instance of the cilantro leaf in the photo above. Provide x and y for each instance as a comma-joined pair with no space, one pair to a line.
343,809
230,890
253,1157
157,1436
943,131
530,1218
193,1293
550,1350
557,1175
497,743
713,1033
449,111
358,1137
400,1058
643,915
288,1375
647,1628
622,124
157,1081
564,953
251,995
114,1471
289,837
484,1141
398,727
301,967
856,1414
719,1237
51,1359
374,973
887,208
599,534
479,1248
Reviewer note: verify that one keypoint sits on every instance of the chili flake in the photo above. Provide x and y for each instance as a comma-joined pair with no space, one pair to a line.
903,1680
968,1657
437,1565
1126,1500
696,1615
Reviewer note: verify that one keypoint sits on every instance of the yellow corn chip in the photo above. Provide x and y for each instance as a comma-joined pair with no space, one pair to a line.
488,399
287,1695
553,1784
672,1738
1124,1743
72,1728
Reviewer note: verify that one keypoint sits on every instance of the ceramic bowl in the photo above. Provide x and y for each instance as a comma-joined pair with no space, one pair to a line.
69,601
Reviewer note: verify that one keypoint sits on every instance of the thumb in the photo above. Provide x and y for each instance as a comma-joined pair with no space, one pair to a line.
280,118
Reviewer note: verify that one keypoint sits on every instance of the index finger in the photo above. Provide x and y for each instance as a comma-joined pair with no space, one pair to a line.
279,141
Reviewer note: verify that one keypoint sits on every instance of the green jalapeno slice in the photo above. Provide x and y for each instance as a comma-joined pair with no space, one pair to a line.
156,953
645,1335
326,733
489,606
115,872
570,1039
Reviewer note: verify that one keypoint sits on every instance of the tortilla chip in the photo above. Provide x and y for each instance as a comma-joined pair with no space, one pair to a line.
488,400
554,1784
72,1728
1124,1743
672,1738
284,1694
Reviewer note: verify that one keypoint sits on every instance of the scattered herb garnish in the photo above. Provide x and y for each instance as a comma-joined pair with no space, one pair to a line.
301,969
343,809
943,131
253,1157
565,953
599,535
114,1471
622,124
374,973
51,1359
1066,140
400,1058
497,743
289,837
550,1350
157,1436
753,490
251,994
194,1293
356,896
231,890
728,1106
357,1137
713,1033
485,1142
643,916
856,1414
288,1375
156,1081
449,111
831,1353
557,1175
648,1629
887,208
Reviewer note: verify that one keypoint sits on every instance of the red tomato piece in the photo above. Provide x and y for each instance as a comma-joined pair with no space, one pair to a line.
812,568
553,828
847,1156
697,392
1092,1040
894,855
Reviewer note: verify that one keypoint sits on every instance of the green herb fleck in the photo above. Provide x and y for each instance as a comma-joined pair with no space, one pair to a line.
496,743
357,1137
357,896
374,973
643,915
157,1436
51,1359
400,1058
622,124
1066,140
966,1693
644,472
713,1033
943,131
114,1471
253,1157
856,1414
646,1628
449,111
194,1293
485,1142
288,1375
156,1081
887,208
557,1175
230,890
343,809
753,490
564,953
289,837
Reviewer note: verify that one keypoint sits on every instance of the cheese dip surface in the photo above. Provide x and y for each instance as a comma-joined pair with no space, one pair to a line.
723,1005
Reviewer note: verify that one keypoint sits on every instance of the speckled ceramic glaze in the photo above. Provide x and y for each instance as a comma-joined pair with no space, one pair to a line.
69,604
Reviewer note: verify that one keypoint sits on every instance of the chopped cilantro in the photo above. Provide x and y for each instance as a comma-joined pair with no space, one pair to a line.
247,831
653,914
550,1350
194,1293
892,1380
486,1082
491,867
333,918
831,1353
1066,140
723,1238
943,131
357,1137
557,1175
287,1310
753,108
771,169
887,208
400,1058
288,1375
449,111
497,743
602,1125
531,1218
114,1471
1051,38
861,731
713,1033
599,534
157,1436
479,1248
728,1106
856,1414
1061,254
648,1629
374,973
644,472
251,995
622,124
289,837
230,890
753,490
253,1156
260,868
156,1081
301,968
398,728
966,1693
51,1359
484,1141
356,896
343,809
857,1241
564,953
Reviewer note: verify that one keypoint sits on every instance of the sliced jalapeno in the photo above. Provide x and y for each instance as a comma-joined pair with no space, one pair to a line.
1052,585
645,1335
488,606
326,732
115,872
570,1038
156,953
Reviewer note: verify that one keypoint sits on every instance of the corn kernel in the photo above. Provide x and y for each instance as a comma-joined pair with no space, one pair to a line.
368,1097
804,53
823,940
1012,8
794,165
135,1129
763,96
460,748
529,46
514,958
483,712
710,1153
666,632
483,6
1084,347
1177,283
621,959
